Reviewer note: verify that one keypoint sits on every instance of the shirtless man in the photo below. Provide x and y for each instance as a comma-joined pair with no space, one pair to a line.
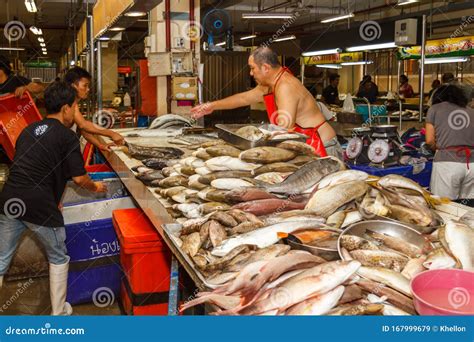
289,104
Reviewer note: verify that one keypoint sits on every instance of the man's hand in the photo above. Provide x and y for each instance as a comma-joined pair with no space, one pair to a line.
100,187
117,139
20,91
202,109
106,147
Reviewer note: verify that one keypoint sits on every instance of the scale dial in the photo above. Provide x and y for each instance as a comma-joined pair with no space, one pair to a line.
354,148
378,151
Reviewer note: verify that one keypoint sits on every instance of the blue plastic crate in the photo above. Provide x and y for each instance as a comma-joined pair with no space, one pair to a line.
94,283
97,176
145,121
375,110
91,240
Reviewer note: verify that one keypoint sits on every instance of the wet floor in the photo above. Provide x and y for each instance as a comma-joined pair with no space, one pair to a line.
31,297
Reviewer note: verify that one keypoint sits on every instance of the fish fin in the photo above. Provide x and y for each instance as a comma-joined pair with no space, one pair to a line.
282,235
434,201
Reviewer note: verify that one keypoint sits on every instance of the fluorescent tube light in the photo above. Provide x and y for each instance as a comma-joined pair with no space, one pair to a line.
248,37
372,47
11,49
321,52
357,63
329,66
36,31
220,44
339,17
267,16
41,39
31,6
282,39
446,60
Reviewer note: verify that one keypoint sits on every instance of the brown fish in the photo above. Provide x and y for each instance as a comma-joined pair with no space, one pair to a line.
275,167
247,194
217,233
173,181
245,227
297,146
223,150
223,218
302,160
266,155
207,179
191,244
268,206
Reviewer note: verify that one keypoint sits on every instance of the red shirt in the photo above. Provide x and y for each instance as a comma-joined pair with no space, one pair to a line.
406,90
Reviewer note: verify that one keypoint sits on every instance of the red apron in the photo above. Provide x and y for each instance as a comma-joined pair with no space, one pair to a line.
272,111
466,150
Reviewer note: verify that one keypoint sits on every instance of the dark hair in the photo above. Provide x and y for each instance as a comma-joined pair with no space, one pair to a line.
404,77
75,74
366,79
450,93
263,55
5,65
333,77
447,77
436,83
57,95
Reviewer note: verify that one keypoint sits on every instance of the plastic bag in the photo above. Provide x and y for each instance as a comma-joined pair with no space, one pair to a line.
348,105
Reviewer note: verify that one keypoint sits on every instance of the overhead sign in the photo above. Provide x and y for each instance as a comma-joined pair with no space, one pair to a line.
334,58
450,47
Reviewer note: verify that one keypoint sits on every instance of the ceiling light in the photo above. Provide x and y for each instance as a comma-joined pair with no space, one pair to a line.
321,52
357,63
30,6
104,38
44,49
329,66
45,53
340,17
117,28
42,44
41,39
267,16
285,38
135,14
11,49
407,2
446,60
248,37
372,47
36,30
220,44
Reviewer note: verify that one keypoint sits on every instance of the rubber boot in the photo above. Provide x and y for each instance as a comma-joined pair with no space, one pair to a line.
57,290
1,282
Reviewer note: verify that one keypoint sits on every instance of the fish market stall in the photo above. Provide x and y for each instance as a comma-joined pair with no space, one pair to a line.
263,226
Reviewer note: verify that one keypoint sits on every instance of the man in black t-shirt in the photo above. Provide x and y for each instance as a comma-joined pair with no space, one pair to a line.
10,83
331,93
47,155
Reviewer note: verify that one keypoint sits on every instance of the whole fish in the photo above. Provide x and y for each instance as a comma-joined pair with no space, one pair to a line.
245,227
247,194
351,293
221,263
293,260
190,210
273,219
202,154
393,261
396,244
224,218
202,171
394,297
173,181
184,170
318,305
315,281
183,196
306,176
156,163
414,266
297,146
212,195
268,206
468,219
275,167
193,182
264,254
353,242
243,278
217,233
210,207
242,217
191,244
272,177
222,301
223,150
358,310
250,133
326,201
412,216
169,171
222,278
337,219
352,216
166,118
388,277
262,237
193,225
144,152
302,160
230,183
207,179
439,259
342,177
459,239
229,164
148,177
266,155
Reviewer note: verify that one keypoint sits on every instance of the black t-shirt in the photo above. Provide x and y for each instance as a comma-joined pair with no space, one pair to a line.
13,82
331,94
47,155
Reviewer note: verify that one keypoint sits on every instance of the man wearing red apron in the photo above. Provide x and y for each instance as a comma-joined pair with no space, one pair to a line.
289,104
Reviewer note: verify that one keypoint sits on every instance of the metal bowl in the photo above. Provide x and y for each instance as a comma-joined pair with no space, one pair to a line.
328,254
395,229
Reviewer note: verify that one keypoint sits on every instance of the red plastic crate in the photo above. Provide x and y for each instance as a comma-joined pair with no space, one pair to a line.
145,259
15,115
140,308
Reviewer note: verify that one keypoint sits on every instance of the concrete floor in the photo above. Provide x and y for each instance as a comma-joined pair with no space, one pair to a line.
31,297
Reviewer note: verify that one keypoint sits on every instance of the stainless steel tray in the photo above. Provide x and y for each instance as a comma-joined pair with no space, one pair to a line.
227,133
395,229
173,230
